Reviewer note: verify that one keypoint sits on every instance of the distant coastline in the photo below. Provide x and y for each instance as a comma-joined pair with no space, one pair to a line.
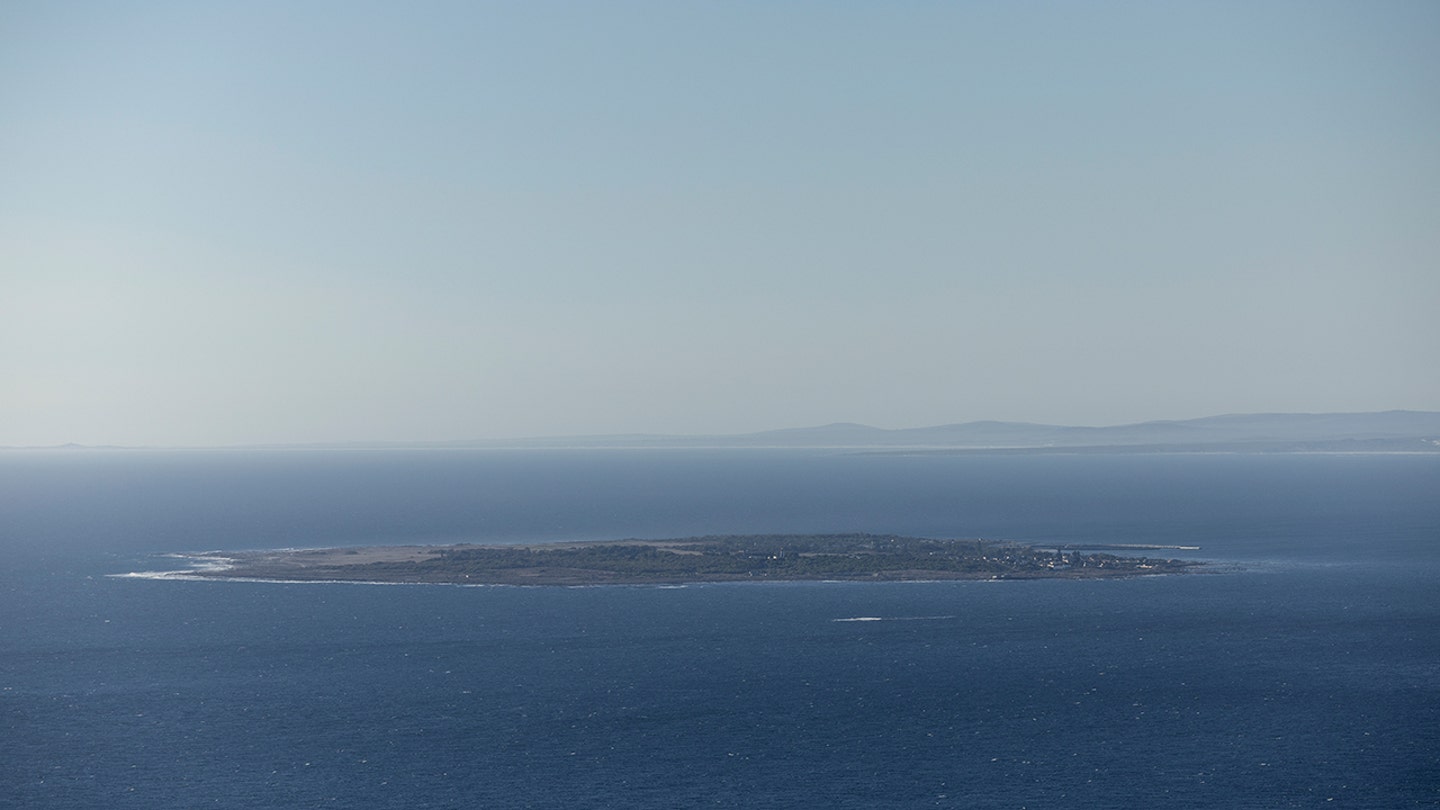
1376,432
727,558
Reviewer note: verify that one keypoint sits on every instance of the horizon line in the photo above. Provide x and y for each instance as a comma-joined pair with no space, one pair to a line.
552,439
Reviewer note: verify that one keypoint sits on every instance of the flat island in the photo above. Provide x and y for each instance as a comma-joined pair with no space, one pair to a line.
728,558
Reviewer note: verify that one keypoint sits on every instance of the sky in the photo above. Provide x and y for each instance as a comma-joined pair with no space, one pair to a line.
253,222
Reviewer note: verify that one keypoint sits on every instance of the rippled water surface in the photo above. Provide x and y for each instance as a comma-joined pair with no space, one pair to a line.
1304,669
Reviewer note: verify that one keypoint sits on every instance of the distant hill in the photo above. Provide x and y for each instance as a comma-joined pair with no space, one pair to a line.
1379,432
1388,431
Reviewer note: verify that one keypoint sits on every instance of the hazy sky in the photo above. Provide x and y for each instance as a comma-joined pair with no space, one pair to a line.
313,221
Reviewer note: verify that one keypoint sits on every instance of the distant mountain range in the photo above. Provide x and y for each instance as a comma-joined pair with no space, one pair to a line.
1387,431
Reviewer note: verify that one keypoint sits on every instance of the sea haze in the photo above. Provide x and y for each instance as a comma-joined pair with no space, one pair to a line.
1303,667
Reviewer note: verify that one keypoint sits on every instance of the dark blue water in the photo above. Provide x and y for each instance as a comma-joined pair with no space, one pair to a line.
1305,675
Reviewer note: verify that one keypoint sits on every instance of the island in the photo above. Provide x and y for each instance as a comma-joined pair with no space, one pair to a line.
722,558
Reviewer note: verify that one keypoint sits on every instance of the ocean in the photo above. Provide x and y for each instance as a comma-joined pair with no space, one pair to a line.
1301,669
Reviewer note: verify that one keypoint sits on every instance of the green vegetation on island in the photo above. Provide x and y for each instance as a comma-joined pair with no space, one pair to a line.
727,558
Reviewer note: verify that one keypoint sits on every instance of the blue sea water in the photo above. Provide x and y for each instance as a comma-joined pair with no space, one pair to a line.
1302,671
